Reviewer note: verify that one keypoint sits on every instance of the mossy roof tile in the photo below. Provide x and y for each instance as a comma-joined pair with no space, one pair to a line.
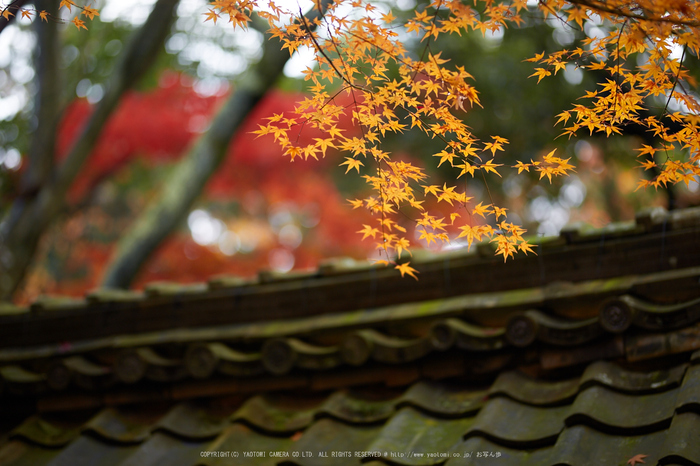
620,413
161,449
444,399
479,451
20,453
634,382
240,438
514,424
351,408
92,451
411,434
329,442
278,415
689,394
683,440
48,431
583,445
194,420
527,390
126,425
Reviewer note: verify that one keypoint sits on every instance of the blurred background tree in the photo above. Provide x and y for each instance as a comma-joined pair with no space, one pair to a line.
149,161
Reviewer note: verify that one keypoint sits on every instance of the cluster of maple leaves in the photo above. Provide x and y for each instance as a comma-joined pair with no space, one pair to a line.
29,13
355,45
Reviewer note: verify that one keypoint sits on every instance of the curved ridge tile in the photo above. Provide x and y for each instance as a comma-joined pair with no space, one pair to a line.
281,355
614,412
472,450
583,445
534,392
160,368
18,380
524,328
87,374
410,431
125,425
683,440
358,347
241,438
451,332
20,375
613,376
513,424
347,406
618,313
443,399
230,361
192,420
278,416
332,443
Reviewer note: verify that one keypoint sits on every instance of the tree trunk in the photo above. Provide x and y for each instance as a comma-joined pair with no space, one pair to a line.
177,196
43,196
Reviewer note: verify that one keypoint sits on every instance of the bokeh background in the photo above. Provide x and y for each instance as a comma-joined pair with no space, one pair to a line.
259,211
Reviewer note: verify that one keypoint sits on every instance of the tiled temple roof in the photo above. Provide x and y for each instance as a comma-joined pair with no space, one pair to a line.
605,415
584,349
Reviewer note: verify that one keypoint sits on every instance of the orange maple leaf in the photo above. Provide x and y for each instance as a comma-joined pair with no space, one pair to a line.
211,15
67,4
636,459
405,268
79,23
90,12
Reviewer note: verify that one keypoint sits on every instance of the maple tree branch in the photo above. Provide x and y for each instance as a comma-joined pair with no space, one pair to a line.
14,5
628,14
303,21
675,81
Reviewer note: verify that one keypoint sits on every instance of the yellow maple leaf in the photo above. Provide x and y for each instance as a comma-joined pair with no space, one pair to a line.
405,268
352,163
482,209
540,73
368,231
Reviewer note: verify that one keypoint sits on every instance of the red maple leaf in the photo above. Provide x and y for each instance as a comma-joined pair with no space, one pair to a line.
636,459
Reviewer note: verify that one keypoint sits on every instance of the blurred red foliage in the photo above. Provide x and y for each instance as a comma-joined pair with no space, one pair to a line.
155,128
